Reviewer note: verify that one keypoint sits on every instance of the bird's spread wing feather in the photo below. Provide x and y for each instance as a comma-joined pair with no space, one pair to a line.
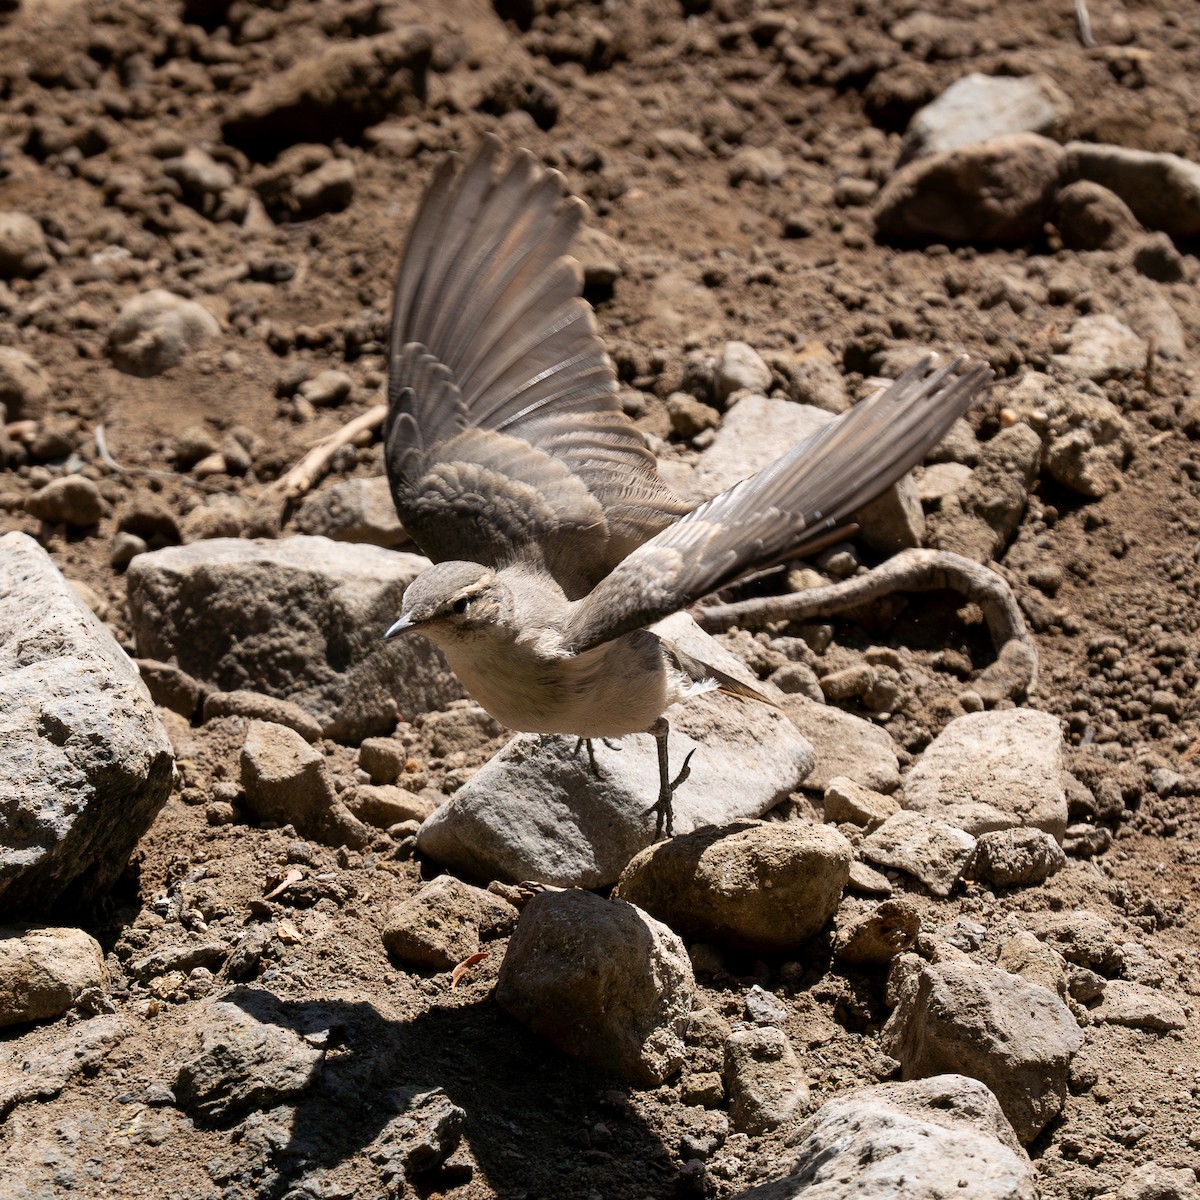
504,438
785,508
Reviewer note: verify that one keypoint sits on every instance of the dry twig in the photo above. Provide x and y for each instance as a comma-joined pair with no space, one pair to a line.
1015,670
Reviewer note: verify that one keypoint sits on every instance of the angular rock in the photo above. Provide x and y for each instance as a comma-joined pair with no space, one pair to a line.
880,935
931,1139
287,782
1023,954
155,331
24,385
1082,937
1100,347
301,619
847,802
846,746
997,192
85,763
335,93
1016,857
43,971
993,770
355,510
171,688
446,922
739,368
928,850
537,811
426,1131
1163,190
766,1084
978,107
329,188
257,707
43,1075
979,520
1016,1037
1151,1181
386,805
1139,1007
754,886
250,1057
602,982
72,500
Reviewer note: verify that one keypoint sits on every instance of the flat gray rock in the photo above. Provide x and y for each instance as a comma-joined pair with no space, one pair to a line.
1016,1037
85,763
301,619
978,107
993,770
536,811
601,981
932,1139
935,853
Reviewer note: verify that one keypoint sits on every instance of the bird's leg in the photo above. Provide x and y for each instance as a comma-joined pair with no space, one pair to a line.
665,817
596,772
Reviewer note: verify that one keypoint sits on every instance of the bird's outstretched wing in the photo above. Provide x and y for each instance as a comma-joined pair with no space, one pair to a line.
504,439
787,507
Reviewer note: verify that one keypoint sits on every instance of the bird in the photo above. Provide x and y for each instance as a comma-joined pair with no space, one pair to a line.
555,543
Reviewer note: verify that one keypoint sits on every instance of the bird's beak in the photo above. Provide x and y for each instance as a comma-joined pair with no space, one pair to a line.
401,626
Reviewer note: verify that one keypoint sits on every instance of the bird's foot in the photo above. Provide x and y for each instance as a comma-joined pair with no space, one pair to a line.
596,772
664,823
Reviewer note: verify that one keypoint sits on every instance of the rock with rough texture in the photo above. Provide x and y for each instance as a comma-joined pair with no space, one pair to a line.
935,853
930,1139
1090,217
739,368
155,331
1016,1037
85,763
250,1057
766,1084
993,770
43,971
846,746
355,510
537,810
1138,1006
1100,347
334,93
847,802
979,520
997,192
446,922
287,782
1152,1181
602,981
72,500
978,107
256,706
23,250
754,886
301,619
879,935
384,805
1016,857
1163,190
24,385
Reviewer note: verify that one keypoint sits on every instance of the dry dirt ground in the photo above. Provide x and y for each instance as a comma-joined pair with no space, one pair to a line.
94,97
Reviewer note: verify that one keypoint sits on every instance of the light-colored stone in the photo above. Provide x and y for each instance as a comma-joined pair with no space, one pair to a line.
978,107
847,802
537,811
930,1139
23,250
755,886
70,500
1016,857
445,922
1138,1006
935,853
85,763
879,935
155,331
355,510
1100,347
384,805
24,385
602,981
740,368
993,770
845,746
44,970
301,618
1016,1037
766,1083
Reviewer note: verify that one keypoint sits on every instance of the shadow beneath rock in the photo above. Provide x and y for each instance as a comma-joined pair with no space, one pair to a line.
537,1126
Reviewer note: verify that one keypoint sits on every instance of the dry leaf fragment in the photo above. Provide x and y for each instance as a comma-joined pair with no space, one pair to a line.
293,876
288,933
464,966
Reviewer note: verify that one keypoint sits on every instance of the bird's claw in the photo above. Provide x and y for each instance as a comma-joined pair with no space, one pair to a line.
664,825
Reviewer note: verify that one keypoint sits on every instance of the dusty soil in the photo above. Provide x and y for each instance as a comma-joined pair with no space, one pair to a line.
97,95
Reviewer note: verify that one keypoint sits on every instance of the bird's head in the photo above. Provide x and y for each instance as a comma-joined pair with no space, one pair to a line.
455,602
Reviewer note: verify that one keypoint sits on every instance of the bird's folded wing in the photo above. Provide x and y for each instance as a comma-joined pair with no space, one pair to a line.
504,438
784,509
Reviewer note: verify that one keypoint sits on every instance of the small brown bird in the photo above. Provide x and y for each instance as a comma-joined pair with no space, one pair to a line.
554,538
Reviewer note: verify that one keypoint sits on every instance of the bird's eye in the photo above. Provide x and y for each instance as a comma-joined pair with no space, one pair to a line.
460,605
